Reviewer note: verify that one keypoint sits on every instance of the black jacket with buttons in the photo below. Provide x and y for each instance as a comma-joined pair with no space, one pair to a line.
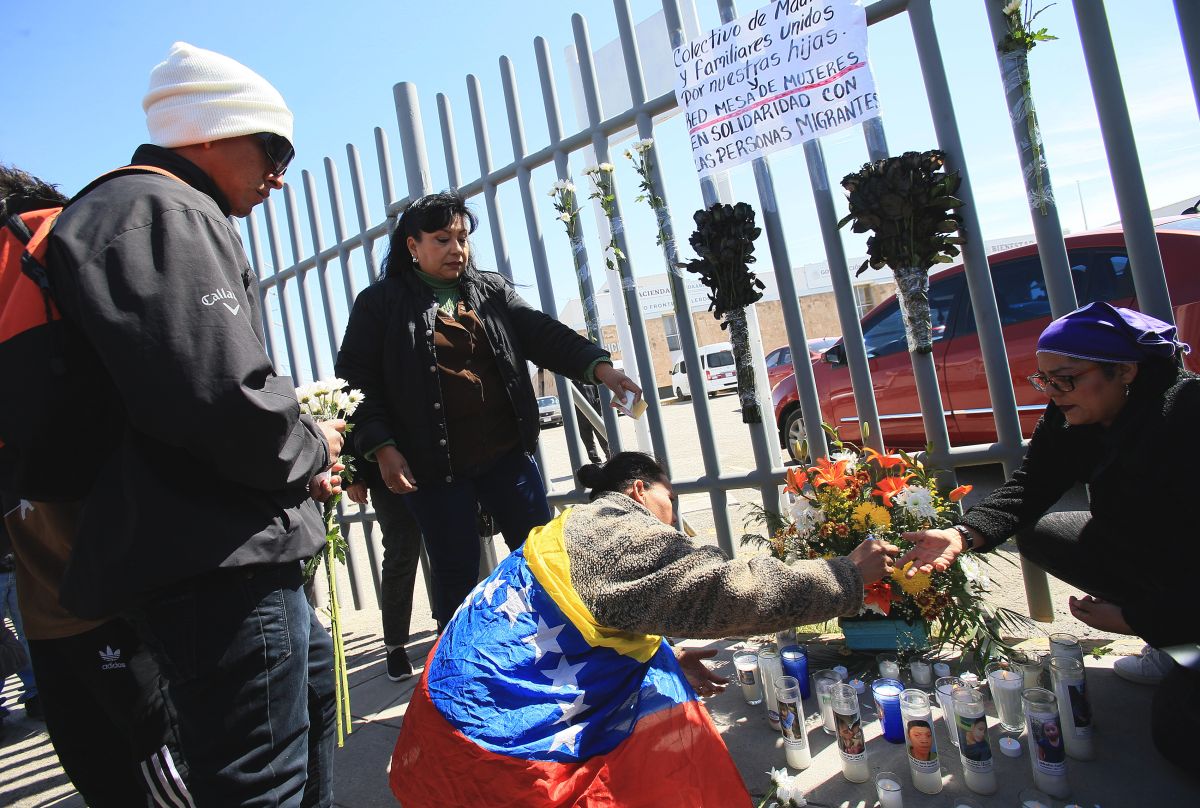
387,352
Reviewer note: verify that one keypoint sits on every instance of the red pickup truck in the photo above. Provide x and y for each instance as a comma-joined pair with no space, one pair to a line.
1100,270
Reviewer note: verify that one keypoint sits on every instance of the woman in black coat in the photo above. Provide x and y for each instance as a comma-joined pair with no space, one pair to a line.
1124,419
440,351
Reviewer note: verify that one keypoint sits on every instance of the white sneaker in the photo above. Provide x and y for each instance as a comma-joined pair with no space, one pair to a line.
1147,668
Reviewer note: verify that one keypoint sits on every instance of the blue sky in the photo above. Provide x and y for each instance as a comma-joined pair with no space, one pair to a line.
336,66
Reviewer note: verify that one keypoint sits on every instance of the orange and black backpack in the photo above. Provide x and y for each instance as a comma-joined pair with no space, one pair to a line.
49,409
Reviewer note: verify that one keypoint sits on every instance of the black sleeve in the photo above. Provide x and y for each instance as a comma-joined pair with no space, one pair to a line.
360,363
1044,476
547,342
166,309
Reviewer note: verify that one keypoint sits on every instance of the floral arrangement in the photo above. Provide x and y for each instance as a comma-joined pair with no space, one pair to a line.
1014,48
604,192
851,496
639,154
785,791
908,205
333,401
724,241
1021,35
566,203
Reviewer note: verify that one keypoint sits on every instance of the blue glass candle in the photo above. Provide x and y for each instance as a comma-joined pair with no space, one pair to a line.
795,663
887,700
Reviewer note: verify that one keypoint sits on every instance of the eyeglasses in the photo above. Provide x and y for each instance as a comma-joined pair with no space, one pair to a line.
1063,384
279,151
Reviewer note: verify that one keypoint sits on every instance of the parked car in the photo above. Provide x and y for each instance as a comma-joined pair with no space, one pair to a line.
779,361
1100,271
549,411
720,373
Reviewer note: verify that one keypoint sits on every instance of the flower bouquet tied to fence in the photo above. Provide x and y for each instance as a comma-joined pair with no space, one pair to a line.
332,401
908,205
724,241
855,495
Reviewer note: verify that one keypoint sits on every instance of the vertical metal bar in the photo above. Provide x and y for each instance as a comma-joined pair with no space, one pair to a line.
412,140
285,309
386,183
537,246
1187,12
1145,261
293,219
339,235
263,288
587,291
1043,208
317,235
592,106
979,278
637,322
364,214
483,149
843,294
449,144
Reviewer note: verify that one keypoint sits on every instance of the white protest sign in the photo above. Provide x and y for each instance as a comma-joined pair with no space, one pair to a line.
786,73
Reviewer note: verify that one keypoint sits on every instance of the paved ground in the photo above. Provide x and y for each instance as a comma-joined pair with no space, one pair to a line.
1126,772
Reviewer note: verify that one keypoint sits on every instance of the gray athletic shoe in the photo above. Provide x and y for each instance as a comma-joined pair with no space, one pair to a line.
1147,668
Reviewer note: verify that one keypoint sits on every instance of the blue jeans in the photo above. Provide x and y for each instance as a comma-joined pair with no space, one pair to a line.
8,606
250,673
510,489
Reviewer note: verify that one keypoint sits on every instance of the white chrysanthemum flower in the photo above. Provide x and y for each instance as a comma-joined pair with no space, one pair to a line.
642,146
1012,8
628,154
787,788
606,167
565,217
806,517
589,170
850,457
917,500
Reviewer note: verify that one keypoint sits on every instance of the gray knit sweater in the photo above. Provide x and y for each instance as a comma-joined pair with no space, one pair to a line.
637,574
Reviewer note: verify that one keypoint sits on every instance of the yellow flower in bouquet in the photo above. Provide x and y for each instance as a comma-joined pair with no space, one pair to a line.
914,585
867,515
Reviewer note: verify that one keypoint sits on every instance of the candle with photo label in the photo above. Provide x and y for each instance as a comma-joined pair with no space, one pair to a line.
1070,688
918,737
1044,736
974,748
850,739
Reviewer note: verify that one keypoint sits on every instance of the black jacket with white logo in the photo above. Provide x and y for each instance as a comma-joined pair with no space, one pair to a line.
207,463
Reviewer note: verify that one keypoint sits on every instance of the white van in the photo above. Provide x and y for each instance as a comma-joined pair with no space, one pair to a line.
720,373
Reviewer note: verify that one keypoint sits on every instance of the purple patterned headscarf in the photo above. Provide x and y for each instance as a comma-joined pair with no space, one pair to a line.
1099,332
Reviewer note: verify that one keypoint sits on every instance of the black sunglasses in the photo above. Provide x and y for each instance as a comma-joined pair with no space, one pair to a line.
279,151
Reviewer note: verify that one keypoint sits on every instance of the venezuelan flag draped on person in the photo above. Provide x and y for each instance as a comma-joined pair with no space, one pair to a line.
526,700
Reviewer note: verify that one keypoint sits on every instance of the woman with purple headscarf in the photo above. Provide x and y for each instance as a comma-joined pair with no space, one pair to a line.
1124,419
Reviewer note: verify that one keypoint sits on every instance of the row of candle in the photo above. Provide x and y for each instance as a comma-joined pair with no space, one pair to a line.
1021,703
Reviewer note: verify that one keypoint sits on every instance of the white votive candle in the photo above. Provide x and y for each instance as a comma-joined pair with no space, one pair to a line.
922,672
889,669
887,788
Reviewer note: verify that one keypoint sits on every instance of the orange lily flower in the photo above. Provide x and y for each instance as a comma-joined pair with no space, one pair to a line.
795,481
886,461
879,594
960,492
826,473
888,487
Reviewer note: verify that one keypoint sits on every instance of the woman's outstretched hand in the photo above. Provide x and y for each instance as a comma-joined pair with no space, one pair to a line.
617,381
932,550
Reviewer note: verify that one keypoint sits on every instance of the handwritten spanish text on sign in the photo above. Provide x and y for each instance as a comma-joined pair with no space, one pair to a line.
789,72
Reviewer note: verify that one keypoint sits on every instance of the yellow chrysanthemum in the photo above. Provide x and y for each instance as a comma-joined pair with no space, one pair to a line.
870,515
914,585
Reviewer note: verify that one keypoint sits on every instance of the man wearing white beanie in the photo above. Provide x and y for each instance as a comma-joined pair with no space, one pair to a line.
204,471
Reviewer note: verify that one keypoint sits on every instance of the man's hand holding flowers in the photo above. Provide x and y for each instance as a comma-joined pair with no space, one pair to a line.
935,549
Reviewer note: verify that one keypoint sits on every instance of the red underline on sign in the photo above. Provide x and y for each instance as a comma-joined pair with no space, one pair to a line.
776,97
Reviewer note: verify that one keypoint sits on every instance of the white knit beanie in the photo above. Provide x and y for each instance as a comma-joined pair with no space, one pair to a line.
198,95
